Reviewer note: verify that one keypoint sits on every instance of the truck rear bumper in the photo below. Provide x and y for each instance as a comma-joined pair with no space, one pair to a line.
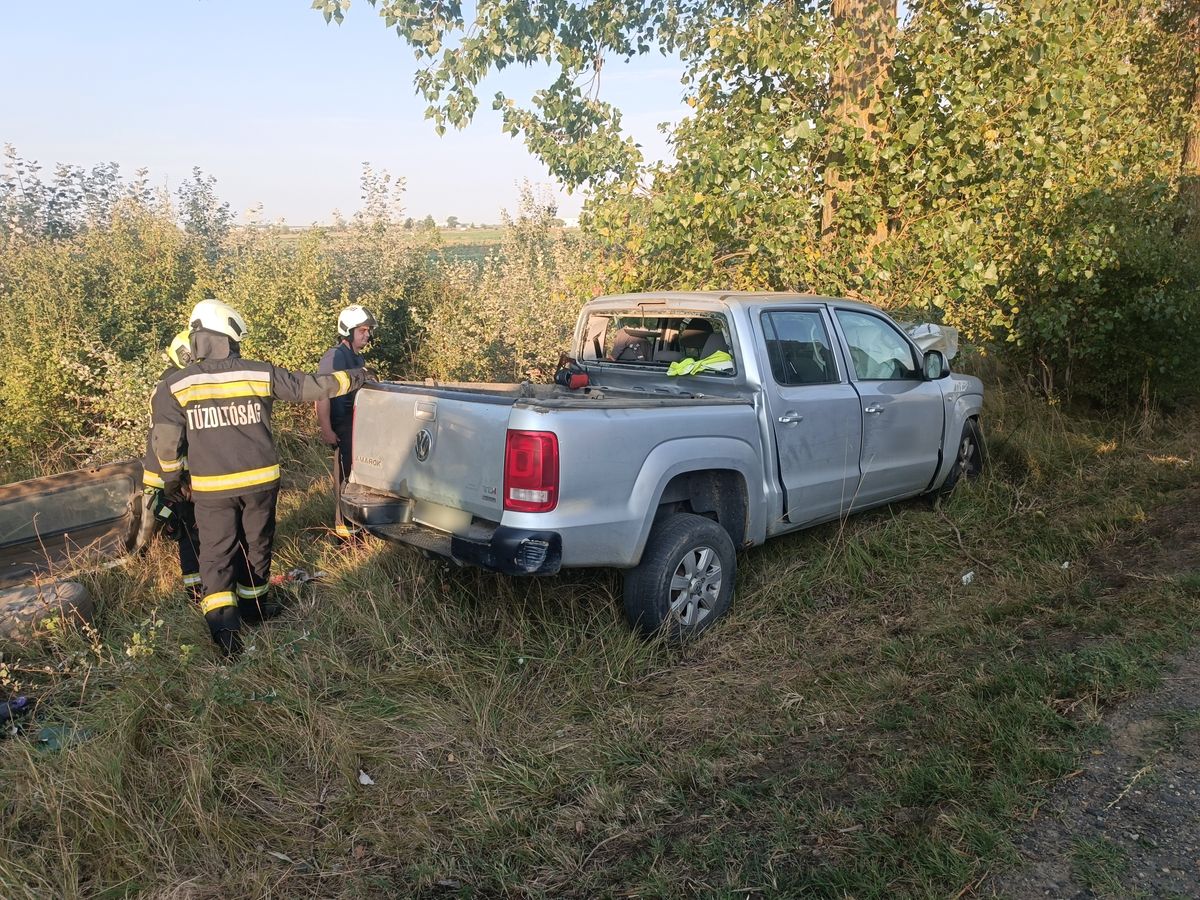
497,548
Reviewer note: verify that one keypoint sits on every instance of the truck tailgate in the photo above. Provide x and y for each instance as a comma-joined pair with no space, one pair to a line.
442,448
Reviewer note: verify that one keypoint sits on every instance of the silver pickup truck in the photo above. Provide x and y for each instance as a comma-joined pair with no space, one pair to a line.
710,421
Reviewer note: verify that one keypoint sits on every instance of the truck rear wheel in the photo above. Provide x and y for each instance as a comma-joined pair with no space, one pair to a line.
685,579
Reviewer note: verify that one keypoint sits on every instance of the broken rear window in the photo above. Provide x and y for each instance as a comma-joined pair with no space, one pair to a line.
634,338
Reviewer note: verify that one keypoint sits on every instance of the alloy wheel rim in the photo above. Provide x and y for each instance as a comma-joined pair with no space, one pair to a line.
966,456
695,586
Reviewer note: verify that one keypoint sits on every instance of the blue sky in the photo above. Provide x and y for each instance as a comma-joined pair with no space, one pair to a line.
279,106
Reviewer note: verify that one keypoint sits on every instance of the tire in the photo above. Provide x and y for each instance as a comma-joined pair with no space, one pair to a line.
970,457
697,555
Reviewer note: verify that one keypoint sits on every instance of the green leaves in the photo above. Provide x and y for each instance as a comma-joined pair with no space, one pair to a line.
923,166
333,10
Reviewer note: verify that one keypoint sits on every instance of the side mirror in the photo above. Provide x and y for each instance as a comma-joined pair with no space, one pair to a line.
935,365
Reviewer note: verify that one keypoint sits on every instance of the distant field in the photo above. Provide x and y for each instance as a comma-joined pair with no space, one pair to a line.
457,244
469,245
465,252
453,237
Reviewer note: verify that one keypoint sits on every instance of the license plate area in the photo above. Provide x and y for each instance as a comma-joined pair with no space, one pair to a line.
443,518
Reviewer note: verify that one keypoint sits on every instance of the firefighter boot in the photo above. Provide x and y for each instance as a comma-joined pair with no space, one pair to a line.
257,604
225,625
255,612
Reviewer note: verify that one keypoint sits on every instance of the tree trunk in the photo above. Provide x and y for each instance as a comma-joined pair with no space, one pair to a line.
1190,167
854,90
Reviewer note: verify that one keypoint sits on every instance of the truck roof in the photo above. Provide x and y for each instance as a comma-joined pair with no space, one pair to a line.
713,299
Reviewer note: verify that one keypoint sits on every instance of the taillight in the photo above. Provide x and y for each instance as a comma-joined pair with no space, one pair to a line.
531,471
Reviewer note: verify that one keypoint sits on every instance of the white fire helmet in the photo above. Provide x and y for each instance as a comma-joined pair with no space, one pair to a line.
213,315
352,317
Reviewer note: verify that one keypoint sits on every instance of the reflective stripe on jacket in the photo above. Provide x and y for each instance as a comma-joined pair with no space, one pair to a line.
152,472
221,408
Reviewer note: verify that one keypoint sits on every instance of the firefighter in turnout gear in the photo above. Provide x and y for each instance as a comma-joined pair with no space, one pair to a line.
178,517
221,407
356,326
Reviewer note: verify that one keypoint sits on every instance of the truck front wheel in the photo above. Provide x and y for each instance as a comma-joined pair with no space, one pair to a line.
685,579
968,459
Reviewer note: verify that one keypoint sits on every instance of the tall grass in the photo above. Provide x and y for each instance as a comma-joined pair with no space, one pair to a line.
862,724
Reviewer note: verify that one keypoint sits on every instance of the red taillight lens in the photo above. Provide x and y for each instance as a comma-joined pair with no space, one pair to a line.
531,471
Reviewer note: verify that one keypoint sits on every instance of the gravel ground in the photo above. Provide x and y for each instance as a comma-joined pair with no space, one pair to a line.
1127,824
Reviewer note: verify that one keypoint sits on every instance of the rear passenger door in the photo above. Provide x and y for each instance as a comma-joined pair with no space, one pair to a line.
66,522
814,412
902,413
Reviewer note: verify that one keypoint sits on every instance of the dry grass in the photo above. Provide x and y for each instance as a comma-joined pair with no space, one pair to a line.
862,724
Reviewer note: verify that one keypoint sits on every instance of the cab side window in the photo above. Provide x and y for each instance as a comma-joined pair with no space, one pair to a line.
878,350
798,348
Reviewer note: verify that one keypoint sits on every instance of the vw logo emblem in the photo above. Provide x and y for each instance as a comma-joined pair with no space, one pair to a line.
423,444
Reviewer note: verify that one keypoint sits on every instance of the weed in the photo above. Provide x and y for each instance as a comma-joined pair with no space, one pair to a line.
1099,864
862,724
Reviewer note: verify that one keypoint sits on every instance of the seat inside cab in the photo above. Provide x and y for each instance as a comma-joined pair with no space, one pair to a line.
636,339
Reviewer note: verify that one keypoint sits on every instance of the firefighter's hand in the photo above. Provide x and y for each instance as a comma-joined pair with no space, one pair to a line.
370,374
156,503
160,509
329,437
173,528
173,489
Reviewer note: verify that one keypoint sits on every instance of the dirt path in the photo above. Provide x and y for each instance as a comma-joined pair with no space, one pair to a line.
1128,823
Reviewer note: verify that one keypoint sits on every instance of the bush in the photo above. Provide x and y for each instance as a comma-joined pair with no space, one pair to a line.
1109,303
510,321
92,295
85,320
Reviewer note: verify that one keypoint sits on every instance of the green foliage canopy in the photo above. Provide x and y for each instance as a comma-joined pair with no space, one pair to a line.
952,156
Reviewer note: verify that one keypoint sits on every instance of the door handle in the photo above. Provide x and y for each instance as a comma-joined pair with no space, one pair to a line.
791,417
873,410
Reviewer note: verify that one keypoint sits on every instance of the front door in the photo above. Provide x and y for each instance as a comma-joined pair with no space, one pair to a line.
814,411
902,414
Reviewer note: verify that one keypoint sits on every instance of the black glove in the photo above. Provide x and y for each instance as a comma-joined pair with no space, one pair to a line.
161,509
173,489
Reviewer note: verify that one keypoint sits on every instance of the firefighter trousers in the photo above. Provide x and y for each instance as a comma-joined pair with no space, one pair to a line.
237,536
178,518
189,548
342,456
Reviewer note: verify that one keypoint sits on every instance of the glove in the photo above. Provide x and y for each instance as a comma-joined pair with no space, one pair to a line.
160,508
173,528
173,489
